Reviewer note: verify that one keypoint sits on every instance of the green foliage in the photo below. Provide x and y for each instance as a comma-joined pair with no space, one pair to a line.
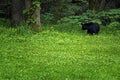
88,16
31,21
5,22
73,20
47,18
62,8
22,29
103,17
114,25
109,16
36,4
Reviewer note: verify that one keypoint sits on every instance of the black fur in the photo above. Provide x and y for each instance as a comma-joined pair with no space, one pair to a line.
92,28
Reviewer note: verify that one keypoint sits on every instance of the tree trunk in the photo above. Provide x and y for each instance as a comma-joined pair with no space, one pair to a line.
37,25
102,4
96,5
28,4
36,16
17,8
91,5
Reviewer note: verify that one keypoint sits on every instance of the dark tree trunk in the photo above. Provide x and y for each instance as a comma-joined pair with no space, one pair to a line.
17,8
28,4
102,4
96,5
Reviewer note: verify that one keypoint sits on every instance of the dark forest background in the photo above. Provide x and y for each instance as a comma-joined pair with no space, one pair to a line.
53,11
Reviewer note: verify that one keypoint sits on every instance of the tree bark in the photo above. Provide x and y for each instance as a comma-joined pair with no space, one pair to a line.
37,25
17,8
28,4
102,4
36,16
96,5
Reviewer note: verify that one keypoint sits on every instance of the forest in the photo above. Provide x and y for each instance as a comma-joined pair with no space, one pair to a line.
59,39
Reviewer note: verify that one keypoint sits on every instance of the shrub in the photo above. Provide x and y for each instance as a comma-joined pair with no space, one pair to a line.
115,25
103,17
109,16
5,22
47,18
88,16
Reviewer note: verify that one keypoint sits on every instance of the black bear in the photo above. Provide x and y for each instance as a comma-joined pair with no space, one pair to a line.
92,28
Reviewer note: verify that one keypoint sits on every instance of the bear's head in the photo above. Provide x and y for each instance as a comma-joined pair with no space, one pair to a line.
84,26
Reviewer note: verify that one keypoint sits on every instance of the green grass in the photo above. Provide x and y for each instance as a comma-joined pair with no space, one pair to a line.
59,53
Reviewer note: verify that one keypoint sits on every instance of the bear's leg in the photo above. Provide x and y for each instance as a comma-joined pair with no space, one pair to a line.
90,32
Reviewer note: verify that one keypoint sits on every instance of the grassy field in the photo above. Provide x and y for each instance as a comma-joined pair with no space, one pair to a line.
59,54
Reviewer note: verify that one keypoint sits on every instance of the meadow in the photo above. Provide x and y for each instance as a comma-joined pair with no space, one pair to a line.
59,53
